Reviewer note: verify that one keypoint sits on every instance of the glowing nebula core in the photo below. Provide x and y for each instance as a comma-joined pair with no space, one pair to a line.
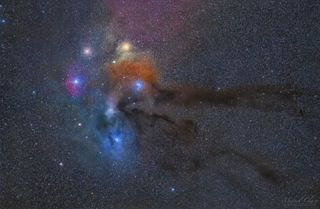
133,74
76,80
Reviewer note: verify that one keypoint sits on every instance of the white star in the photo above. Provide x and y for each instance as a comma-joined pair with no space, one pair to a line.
76,81
87,51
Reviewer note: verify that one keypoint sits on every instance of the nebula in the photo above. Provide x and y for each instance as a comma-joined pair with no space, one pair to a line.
125,73
155,21
130,114
76,80
129,125
141,74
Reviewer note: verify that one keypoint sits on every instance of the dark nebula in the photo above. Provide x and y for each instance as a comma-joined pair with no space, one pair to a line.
159,104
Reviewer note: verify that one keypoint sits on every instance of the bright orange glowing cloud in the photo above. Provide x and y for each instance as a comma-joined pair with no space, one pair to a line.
125,72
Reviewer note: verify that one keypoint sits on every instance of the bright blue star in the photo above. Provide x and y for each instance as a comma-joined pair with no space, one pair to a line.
138,85
109,112
172,189
75,81
117,139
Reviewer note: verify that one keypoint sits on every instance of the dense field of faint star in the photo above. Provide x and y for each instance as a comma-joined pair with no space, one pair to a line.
53,84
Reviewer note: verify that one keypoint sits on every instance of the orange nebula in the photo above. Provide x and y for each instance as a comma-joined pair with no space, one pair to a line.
125,72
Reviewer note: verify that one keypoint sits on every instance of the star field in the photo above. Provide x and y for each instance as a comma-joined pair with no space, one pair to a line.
159,104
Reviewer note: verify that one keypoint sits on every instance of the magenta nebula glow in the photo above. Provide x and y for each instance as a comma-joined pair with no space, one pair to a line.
75,81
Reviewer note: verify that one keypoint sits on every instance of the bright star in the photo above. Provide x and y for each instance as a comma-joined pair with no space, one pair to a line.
138,85
117,139
109,112
172,189
125,46
87,51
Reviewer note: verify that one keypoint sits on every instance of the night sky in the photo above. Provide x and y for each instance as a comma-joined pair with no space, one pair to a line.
159,104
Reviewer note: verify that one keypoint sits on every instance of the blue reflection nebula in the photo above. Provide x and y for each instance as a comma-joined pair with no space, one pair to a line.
116,135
